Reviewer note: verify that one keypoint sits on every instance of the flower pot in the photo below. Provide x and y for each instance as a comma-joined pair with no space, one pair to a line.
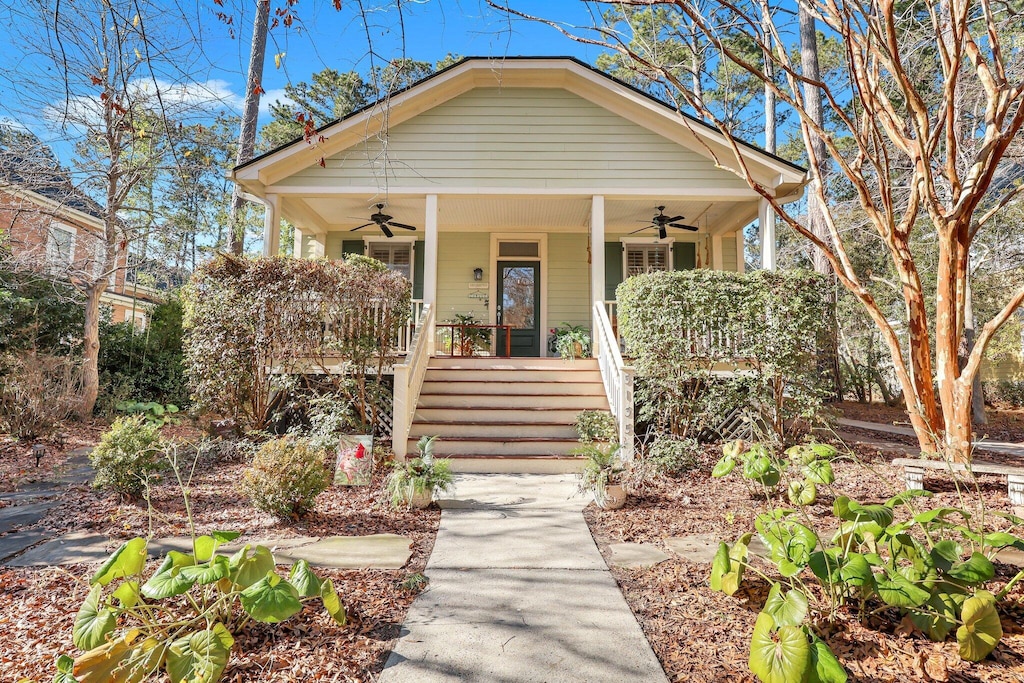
421,499
614,497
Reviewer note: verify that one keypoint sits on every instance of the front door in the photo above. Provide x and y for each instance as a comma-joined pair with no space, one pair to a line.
519,306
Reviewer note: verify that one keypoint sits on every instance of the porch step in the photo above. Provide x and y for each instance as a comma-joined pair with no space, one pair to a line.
506,414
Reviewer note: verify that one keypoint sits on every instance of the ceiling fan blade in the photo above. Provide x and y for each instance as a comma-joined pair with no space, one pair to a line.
384,229
691,228
673,219
362,226
662,232
646,227
403,226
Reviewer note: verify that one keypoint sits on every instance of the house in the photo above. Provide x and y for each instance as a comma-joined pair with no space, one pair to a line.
45,223
516,192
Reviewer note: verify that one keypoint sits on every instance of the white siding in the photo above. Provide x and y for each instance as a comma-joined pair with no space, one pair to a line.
458,253
568,280
729,252
519,137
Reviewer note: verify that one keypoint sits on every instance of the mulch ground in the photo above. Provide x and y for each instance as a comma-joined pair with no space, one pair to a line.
703,635
1003,424
37,606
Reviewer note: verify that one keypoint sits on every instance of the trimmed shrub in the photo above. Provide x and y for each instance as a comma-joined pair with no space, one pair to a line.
37,312
1005,392
37,392
285,477
596,425
673,457
683,327
128,454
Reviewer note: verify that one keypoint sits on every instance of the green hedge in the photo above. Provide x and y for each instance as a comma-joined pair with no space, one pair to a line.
681,327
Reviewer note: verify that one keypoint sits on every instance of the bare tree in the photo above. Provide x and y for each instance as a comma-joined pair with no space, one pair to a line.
896,147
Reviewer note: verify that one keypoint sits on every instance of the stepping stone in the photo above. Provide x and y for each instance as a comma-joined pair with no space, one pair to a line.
1011,556
635,555
379,551
22,515
12,544
74,548
159,547
30,492
697,548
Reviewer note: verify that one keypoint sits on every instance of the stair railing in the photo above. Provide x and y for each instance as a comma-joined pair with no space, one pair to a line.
617,377
409,376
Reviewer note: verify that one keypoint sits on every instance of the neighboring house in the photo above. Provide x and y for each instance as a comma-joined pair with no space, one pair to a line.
533,185
48,225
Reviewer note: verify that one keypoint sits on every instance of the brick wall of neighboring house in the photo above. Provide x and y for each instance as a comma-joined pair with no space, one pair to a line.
43,234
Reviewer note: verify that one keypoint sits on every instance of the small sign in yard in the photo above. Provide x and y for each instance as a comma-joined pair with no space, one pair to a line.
355,461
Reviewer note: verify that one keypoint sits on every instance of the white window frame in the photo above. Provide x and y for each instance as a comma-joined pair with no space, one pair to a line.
51,245
368,243
628,242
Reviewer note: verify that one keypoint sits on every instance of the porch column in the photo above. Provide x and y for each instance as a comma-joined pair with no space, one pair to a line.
596,249
766,224
319,245
741,247
272,225
717,262
297,243
430,251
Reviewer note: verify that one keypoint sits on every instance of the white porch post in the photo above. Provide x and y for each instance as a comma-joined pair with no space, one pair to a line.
766,224
741,247
596,249
319,246
430,251
272,225
717,262
297,243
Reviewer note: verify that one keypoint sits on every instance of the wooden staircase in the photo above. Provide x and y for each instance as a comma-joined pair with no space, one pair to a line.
506,414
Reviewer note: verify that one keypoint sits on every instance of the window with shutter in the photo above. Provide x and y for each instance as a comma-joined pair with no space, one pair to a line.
396,256
60,246
646,258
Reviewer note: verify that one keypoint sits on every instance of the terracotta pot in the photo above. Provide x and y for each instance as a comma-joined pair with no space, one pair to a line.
614,497
421,499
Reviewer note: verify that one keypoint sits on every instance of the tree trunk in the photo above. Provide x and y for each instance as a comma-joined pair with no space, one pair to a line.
247,137
769,75
91,349
977,398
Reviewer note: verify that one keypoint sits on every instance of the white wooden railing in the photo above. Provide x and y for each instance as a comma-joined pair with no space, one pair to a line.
617,376
409,329
409,379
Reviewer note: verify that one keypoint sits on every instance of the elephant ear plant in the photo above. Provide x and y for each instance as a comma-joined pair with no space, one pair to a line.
181,619
932,566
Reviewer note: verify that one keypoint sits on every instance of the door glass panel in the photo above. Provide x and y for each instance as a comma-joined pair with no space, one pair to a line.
519,249
518,296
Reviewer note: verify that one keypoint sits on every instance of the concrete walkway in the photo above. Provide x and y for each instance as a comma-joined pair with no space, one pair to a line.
1005,447
519,593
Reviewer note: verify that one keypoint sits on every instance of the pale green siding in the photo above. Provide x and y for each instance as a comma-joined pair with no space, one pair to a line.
332,246
519,137
729,252
568,280
458,253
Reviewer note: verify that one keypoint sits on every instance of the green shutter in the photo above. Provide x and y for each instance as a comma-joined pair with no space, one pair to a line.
352,247
612,268
417,269
684,255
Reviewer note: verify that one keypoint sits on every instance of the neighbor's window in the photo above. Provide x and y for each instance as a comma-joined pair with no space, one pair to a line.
60,246
646,258
396,255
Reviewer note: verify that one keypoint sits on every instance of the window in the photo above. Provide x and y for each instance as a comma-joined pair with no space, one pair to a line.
60,246
518,250
396,255
646,258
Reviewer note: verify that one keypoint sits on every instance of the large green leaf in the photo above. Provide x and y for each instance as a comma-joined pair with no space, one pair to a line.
945,554
1001,539
206,546
271,599
92,624
787,609
167,584
981,630
127,594
200,657
824,451
65,670
802,492
899,591
332,603
719,566
824,668
791,543
128,560
208,572
801,454
974,570
249,567
938,616
723,467
782,657
304,580
819,472
929,516
853,511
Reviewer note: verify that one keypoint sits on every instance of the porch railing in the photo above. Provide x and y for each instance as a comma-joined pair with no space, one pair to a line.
617,376
716,339
461,340
409,329
409,376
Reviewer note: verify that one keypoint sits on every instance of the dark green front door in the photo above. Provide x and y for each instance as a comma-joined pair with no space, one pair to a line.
519,306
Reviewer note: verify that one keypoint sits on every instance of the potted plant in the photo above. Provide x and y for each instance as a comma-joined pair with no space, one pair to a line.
467,338
412,482
572,341
602,474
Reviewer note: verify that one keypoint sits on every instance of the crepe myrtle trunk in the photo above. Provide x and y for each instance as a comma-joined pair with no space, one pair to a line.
91,348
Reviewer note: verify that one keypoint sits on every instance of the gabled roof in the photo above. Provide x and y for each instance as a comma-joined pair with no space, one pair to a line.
45,177
567,72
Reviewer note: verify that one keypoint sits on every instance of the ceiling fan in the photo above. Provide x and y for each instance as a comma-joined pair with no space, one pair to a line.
384,222
662,222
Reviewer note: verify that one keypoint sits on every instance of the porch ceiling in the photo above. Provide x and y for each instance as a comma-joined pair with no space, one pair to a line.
546,213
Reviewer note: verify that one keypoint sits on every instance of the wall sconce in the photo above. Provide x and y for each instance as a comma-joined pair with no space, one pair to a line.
478,274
